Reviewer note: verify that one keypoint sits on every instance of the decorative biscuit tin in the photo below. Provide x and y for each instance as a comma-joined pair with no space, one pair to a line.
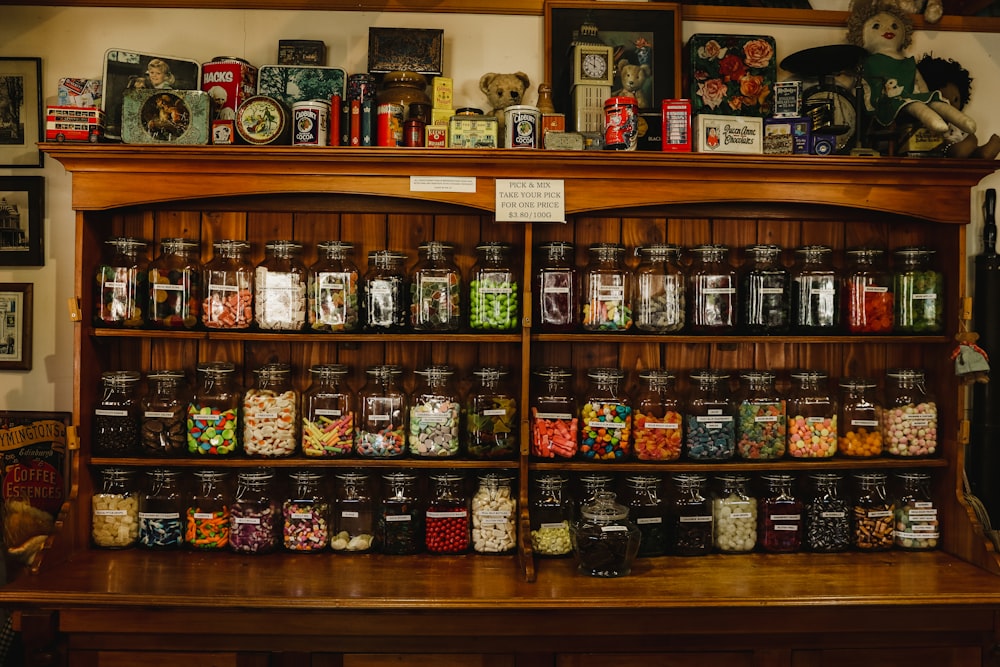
295,83
473,131
728,134
228,81
262,121
731,75
165,117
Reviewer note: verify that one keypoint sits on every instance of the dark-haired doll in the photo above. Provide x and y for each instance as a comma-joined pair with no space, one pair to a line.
955,85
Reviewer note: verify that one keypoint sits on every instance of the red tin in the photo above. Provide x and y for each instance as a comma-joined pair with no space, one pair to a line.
229,81
621,124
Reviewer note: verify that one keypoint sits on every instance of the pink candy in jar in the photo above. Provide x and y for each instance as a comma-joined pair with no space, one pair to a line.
812,417
909,420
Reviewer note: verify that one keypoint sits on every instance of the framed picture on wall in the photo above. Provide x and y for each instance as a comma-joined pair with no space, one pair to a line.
21,201
15,326
21,126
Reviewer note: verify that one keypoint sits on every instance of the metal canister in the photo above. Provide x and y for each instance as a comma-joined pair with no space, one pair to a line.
522,125
390,124
621,124
361,87
228,81
311,120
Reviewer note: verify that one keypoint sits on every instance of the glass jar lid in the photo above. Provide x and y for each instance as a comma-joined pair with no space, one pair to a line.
605,374
659,251
127,244
710,252
857,383
603,508
386,258
216,368
178,245
557,249
864,255
763,251
490,372
231,247
384,371
120,378
283,248
814,253
335,249
329,371
552,373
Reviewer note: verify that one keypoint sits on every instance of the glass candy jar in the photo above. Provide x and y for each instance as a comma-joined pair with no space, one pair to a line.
554,420
917,526
280,288
117,415
909,416
213,413
711,293
175,285
828,514
709,418
228,283
381,429
494,515
812,416
494,296
815,291
658,302
734,513
353,513
435,289
399,526
605,417
434,414
658,423
551,514
447,529
919,292
647,509
122,285
491,422
859,421
765,291
115,509
385,306
208,511
763,422
873,513
161,511
605,542
332,286
306,513
328,411
271,413
782,523
163,421
606,290
690,516
867,293
255,515
556,299
588,486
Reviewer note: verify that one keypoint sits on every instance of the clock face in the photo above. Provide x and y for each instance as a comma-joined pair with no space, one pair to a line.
594,65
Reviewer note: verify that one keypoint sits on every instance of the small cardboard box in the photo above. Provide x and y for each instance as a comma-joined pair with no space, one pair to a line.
731,75
787,136
728,134
442,93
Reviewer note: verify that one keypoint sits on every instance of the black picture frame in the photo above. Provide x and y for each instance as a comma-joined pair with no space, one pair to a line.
16,320
418,50
22,202
658,22
21,122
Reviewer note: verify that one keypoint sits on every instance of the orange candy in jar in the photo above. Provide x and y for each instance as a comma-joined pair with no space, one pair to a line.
554,421
812,417
228,285
657,422
859,434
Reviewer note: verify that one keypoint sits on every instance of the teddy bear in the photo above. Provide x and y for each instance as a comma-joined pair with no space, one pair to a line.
502,91
633,78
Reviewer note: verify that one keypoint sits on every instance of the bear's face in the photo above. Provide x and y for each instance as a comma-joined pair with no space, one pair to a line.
504,90
632,76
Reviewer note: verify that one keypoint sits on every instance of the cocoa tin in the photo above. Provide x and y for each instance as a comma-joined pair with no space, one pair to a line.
522,126
310,123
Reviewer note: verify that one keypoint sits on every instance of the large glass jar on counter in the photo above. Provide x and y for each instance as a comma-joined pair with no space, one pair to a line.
163,421
399,524
556,299
208,511
919,292
494,515
909,416
333,284
435,289
228,283
213,413
917,525
447,524
873,513
605,542
175,285
255,515
815,291
690,516
494,294
658,302
658,422
589,485
828,514
386,304
712,291
605,417
353,513
606,290
161,510
381,429
867,293
328,411
710,418
763,421
280,288
115,509
812,416
306,513
271,413
734,512
781,515
554,414
551,514
122,285
491,421
765,291
648,511
434,414
859,422
117,415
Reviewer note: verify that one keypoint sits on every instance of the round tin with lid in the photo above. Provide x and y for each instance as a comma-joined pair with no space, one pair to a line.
262,120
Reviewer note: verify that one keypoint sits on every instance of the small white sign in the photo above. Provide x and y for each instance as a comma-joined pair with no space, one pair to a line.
524,200
442,183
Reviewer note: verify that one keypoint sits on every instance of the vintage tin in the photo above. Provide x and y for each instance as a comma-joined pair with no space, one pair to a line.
676,126
564,141
263,121
361,87
310,123
229,81
728,134
473,131
522,126
787,99
152,116
787,136
223,132
711,60
389,128
436,136
442,92
552,122
413,132
621,124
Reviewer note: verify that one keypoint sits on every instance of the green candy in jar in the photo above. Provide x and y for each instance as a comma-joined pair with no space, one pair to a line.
493,292
919,293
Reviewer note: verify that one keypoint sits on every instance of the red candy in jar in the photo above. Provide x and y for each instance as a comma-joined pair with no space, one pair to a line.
447,519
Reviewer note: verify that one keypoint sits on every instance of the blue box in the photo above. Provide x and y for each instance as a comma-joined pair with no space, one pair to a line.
778,132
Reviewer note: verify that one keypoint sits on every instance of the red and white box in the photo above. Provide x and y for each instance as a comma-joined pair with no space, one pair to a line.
677,126
228,81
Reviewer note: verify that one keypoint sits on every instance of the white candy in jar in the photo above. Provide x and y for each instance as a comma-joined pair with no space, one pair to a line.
735,523
115,520
269,423
279,300
494,528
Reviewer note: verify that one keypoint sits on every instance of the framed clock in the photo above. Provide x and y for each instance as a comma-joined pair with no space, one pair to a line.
593,64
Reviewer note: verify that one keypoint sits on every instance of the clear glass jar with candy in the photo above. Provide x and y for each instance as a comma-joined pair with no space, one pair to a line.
494,515
255,515
712,291
782,524
734,512
812,416
909,416
175,285
353,513
399,524
551,515
271,413
280,288
588,486
648,511
658,301
710,418
690,516
228,284
873,513
658,423
491,421
436,289
381,428
122,285
606,290
435,410
763,421
328,413
917,525
332,286
859,422
208,511
163,421
815,291
494,293
605,541
919,292
764,291
162,510
828,514
115,509
447,522
554,414
385,305
117,415
605,417
867,293
213,413
557,289
306,513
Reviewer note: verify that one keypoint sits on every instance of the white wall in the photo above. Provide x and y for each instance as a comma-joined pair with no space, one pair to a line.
72,42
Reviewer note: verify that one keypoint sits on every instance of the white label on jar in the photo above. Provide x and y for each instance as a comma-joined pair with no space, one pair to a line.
871,423
771,290
815,420
714,411
924,527
719,290
264,415
714,418
925,514
166,287
247,521
323,412
606,424
432,418
434,282
614,529
495,412
925,295
111,413
501,289
453,514
379,418
302,515
379,287
919,421
832,515
331,281
666,425
392,518
158,415
740,515
206,418
551,526
159,515
493,517
553,415
555,290
785,517
347,514
613,293
648,520
916,536
876,289
923,504
822,291
110,512
704,518
204,515
786,527
765,418
212,287
879,514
